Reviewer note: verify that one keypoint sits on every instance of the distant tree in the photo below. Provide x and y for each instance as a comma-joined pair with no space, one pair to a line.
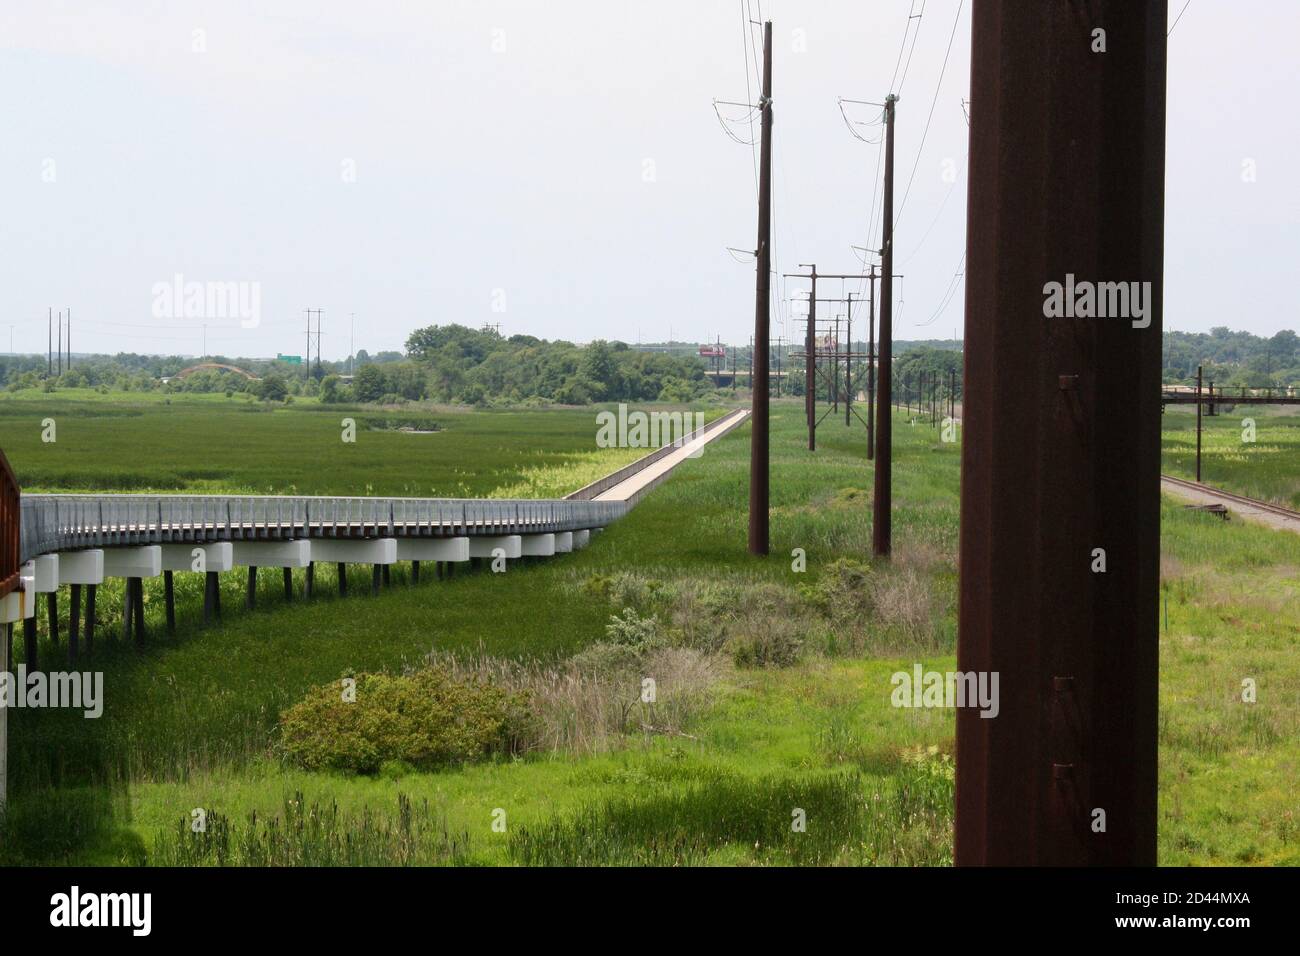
370,384
272,388
331,389
600,369
575,391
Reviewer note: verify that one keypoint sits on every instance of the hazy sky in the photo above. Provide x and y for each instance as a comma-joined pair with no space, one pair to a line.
556,167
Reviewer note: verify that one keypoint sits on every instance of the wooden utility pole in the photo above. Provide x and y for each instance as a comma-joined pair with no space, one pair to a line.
1060,483
871,370
759,465
833,380
848,356
810,361
1198,424
881,523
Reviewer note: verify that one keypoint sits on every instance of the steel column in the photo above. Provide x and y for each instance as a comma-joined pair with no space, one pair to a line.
1061,451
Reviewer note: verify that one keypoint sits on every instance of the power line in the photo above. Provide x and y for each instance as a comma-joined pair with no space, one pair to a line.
942,70
912,50
902,46
746,37
933,222
1179,17
948,294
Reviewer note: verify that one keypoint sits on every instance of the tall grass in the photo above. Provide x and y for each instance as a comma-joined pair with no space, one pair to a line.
1265,467
311,834
794,820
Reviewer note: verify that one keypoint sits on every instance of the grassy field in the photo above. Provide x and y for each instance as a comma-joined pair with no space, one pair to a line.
191,722
187,443
1261,462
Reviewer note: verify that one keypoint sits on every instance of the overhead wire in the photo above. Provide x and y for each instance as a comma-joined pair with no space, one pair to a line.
924,133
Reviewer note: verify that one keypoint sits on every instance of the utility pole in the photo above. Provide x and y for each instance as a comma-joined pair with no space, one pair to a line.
1060,482
1198,424
49,344
60,340
307,355
881,518
352,340
833,386
810,359
848,356
871,371
69,346
810,362
776,351
759,465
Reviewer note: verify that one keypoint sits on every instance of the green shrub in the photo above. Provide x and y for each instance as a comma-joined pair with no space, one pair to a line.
766,643
633,629
842,587
611,662
426,719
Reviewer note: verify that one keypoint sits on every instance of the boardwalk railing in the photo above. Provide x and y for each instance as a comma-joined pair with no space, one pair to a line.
67,522
10,548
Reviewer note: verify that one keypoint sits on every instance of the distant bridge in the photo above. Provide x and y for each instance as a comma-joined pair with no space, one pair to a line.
1239,395
215,366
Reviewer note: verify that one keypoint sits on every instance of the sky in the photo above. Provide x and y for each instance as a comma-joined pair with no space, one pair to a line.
557,168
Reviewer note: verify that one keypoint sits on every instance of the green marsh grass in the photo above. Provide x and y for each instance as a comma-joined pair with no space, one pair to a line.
189,722
1267,468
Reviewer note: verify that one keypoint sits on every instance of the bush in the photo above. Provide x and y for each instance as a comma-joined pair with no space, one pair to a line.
591,702
903,602
427,719
842,589
272,388
632,629
766,643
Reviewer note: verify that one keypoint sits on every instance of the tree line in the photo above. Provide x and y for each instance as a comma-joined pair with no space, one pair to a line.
457,364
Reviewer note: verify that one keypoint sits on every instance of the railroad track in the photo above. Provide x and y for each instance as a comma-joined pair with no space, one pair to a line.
1228,498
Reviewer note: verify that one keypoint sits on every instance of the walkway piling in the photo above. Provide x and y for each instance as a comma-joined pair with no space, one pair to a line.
169,598
74,622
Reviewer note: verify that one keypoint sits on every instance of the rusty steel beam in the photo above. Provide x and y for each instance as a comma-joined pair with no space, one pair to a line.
1061,444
